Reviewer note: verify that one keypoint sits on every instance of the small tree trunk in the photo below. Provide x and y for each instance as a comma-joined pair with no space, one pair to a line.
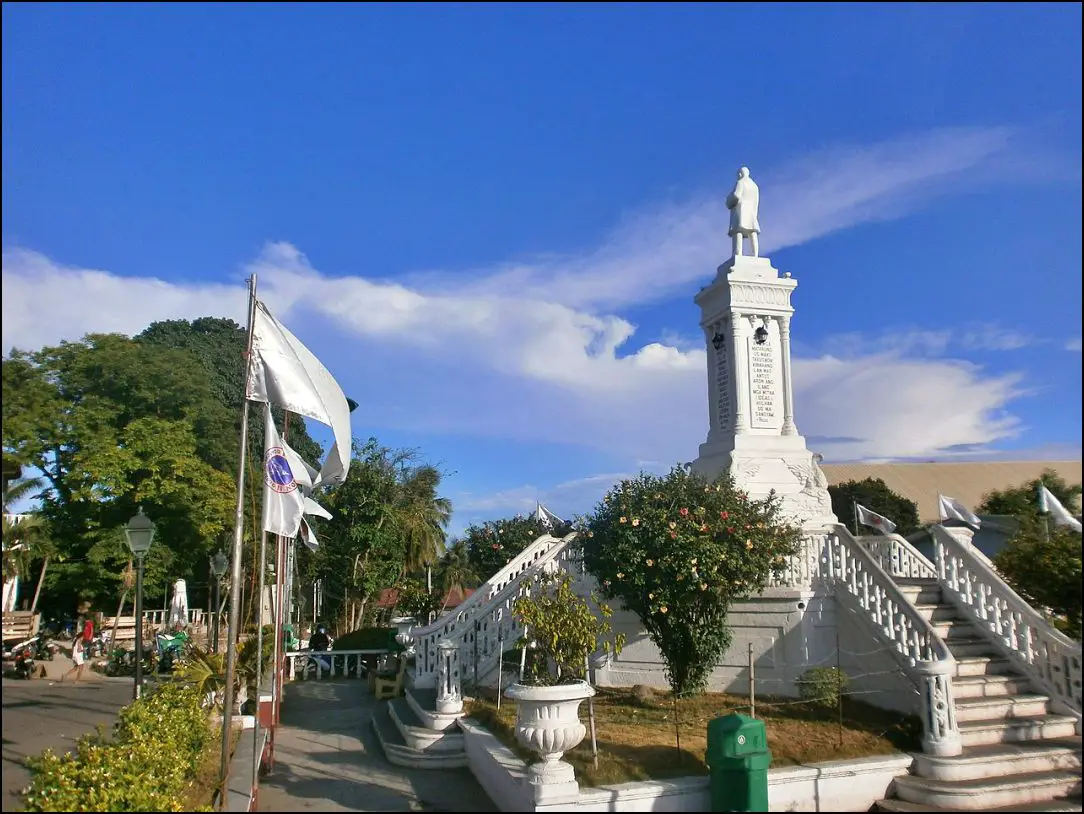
41,580
116,620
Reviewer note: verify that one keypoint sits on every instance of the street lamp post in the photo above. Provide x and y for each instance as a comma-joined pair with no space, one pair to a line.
140,534
219,564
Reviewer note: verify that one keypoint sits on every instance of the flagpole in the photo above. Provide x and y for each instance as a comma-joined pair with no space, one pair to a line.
235,568
259,655
855,517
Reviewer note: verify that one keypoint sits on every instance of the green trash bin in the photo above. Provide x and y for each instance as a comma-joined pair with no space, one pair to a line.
738,758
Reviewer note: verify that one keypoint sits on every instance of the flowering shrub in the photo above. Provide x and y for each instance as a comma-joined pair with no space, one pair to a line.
678,551
159,744
564,628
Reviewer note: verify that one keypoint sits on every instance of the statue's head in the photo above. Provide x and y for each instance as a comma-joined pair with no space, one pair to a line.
817,457
743,172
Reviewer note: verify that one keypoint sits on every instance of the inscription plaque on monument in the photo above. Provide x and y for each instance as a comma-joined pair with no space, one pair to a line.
722,388
764,412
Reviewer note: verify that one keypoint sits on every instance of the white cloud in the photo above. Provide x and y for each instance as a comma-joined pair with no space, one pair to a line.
924,342
538,351
1073,344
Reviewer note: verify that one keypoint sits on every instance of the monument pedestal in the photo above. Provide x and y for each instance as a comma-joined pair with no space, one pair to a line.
745,315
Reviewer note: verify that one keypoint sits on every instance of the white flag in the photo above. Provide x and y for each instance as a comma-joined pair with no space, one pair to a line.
874,520
308,536
950,507
1058,513
547,518
283,502
285,372
312,507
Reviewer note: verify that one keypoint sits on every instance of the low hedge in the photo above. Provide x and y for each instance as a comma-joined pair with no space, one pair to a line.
367,638
152,762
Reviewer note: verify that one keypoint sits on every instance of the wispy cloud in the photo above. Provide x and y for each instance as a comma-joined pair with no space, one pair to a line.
924,342
549,338
1073,345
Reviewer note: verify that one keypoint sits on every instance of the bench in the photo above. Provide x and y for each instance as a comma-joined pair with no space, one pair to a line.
126,626
20,625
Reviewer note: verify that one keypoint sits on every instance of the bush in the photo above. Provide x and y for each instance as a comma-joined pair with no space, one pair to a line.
678,551
158,747
822,686
367,638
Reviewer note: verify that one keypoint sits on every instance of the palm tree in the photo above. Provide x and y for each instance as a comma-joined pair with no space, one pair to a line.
422,516
25,536
456,571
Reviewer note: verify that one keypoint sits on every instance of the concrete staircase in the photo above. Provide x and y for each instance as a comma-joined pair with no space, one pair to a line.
1018,755
414,735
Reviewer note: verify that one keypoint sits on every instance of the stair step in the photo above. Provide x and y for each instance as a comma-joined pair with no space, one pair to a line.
986,793
399,753
1025,705
955,629
981,665
938,612
966,646
999,760
988,686
1058,804
1013,730
418,736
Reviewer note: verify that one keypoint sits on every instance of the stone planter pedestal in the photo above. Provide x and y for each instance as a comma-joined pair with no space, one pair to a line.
548,723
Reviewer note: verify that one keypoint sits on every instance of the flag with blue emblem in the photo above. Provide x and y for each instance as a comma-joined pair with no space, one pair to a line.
283,501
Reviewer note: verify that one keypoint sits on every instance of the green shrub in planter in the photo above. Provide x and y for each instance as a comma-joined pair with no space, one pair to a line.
822,686
158,746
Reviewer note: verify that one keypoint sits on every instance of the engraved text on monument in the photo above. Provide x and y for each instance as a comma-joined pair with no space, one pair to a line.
763,390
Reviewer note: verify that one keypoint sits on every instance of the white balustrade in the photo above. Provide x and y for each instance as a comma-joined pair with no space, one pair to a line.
449,680
1044,654
318,664
898,557
477,625
865,585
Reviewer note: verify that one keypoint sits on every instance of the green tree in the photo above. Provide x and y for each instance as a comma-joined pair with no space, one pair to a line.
112,424
25,536
455,572
678,551
414,599
1042,562
1022,501
874,494
1044,567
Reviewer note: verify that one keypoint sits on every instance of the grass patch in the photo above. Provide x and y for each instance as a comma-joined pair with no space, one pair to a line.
636,735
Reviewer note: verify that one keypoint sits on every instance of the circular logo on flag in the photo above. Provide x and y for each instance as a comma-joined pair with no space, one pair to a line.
277,471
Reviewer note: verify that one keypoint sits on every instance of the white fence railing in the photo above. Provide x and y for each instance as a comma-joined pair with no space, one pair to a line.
318,664
897,556
863,583
1044,654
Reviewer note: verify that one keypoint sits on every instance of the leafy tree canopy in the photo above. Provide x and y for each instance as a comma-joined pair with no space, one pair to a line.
494,543
1023,501
874,494
678,551
1044,566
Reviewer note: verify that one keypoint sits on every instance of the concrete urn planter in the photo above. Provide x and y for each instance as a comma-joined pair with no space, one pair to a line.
548,723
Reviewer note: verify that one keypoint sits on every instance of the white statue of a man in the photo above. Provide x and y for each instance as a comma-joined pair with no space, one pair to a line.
743,203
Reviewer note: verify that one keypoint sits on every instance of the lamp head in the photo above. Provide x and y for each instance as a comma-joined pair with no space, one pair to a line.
718,341
140,534
219,563
760,335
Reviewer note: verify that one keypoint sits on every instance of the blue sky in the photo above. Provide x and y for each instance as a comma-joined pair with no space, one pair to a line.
489,221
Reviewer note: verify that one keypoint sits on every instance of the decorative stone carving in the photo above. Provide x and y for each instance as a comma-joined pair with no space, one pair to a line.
759,295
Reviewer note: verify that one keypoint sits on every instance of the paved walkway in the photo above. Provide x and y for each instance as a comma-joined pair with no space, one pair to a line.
327,758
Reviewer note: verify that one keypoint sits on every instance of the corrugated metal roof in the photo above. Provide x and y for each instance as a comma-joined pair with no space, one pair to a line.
967,481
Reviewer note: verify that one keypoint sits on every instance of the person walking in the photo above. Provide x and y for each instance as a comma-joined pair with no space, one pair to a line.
78,657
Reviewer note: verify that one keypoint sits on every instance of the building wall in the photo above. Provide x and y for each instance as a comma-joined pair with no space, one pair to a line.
968,481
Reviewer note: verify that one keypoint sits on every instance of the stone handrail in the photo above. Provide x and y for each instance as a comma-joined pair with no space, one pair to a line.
898,557
478,629
1046,655
803,569
342,663
459,623
861,582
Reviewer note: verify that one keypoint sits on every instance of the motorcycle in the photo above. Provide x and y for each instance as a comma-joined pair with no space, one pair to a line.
24,661
44,648
170,648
